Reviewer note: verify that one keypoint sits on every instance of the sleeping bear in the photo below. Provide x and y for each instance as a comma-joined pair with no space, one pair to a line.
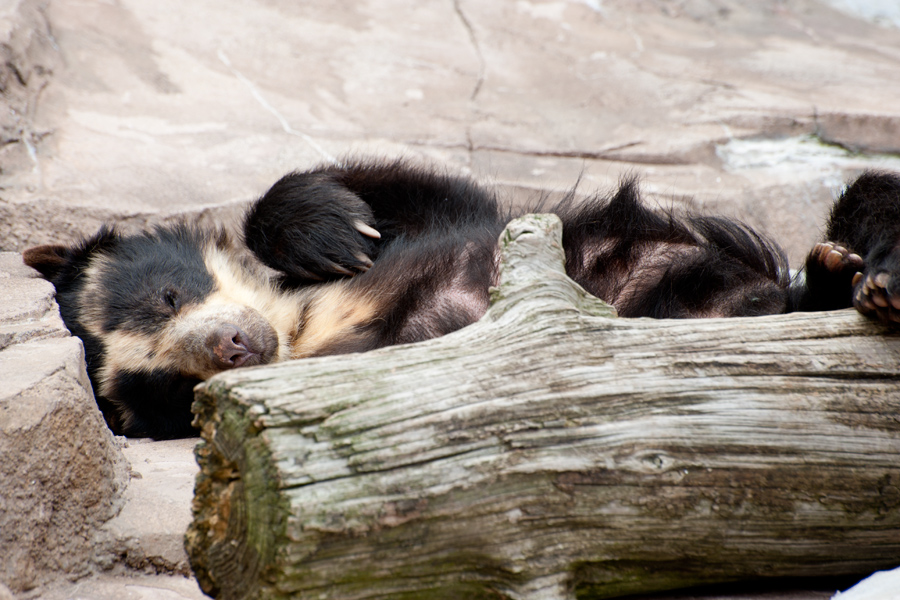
366,254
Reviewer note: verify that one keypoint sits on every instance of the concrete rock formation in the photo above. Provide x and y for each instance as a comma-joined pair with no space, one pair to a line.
74,500
62,472
142,112
137,112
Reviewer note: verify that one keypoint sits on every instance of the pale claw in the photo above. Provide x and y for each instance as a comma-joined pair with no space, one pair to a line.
366,230
365,260
339,269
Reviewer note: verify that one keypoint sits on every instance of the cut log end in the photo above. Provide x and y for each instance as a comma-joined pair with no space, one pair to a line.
238,511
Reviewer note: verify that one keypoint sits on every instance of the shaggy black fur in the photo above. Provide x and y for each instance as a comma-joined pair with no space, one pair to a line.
646,263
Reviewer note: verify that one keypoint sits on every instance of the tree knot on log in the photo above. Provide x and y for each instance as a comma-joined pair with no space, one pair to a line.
533,271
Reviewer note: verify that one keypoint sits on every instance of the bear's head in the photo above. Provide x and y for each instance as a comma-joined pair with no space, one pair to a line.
158,312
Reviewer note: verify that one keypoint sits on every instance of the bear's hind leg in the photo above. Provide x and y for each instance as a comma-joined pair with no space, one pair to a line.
653,263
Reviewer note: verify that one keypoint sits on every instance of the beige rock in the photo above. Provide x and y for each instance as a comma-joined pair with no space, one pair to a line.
148,534
61,472
27,309
884,585
73,504
138,587
860,132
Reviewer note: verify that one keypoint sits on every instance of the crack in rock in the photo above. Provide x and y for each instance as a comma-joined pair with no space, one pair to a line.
467,25
285,125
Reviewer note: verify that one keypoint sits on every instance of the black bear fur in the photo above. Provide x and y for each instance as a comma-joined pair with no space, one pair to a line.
375,253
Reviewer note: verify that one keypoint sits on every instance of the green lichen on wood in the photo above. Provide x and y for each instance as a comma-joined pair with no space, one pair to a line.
242,516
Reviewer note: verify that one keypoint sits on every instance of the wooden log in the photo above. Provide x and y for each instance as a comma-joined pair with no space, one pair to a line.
553,451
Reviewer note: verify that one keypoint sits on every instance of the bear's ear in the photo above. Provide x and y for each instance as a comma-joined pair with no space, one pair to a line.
54,260
49,259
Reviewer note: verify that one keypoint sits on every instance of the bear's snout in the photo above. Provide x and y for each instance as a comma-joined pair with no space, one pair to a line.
232,348
216,337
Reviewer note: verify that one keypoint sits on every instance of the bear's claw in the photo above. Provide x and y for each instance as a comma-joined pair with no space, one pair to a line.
366,230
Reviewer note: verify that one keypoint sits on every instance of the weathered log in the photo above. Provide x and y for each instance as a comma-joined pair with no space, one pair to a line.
553,451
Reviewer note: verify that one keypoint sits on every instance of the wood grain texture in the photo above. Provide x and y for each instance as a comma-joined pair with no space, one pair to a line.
551,451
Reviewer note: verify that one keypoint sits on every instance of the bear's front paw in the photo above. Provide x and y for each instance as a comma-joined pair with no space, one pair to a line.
830,272
360,261
836,260
341,250
878,295
311,228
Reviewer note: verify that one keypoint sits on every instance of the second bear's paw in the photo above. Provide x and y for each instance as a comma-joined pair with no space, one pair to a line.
830,272
877,294
837,260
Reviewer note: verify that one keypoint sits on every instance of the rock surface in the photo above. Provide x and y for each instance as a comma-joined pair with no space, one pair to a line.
141,112
147,536
136,112
139,554
61,472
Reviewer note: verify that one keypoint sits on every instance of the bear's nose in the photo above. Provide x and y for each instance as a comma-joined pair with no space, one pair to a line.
230,348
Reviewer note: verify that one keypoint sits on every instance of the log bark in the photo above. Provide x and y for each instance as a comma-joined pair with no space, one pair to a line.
551,451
